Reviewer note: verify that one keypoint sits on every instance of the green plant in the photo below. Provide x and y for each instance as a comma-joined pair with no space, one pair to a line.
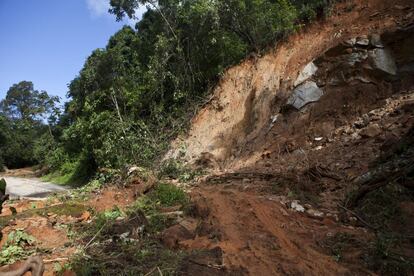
169,195
175,169
108,216
384,255
14,248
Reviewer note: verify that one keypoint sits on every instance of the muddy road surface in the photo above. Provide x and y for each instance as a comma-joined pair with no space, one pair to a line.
32,188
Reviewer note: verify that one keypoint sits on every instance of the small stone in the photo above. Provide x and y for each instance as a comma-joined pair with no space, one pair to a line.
399,7
314,213
350,42
362,41
296,206
371,131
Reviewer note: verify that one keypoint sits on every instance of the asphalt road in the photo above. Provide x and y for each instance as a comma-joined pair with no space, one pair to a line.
32,188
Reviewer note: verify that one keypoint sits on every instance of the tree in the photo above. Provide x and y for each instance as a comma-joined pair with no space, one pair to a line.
25,103
23,114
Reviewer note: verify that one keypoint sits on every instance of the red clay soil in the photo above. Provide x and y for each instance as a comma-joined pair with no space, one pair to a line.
44,228
261,236
246,206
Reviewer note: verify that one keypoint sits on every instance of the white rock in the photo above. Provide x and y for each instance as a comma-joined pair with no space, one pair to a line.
296,206
308,71
382,60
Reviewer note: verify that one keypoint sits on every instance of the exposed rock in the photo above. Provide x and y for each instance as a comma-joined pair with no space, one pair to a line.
314,213
362,41
362,122
308,71
381,60
354,58
296,206
371,131
350,42
305,93
376,41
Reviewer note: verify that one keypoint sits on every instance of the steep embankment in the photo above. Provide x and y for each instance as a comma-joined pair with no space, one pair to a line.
248,94
300,154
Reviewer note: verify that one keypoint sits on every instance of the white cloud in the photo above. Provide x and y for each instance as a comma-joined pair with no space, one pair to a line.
98,7
138,15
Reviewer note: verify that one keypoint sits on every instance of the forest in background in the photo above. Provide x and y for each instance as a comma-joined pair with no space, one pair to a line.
133,97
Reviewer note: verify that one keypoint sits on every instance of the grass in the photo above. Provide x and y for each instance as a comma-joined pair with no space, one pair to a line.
144,255
384,257
340,243
57,178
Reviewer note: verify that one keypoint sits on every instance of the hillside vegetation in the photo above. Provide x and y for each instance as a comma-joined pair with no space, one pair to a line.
132,97
237,137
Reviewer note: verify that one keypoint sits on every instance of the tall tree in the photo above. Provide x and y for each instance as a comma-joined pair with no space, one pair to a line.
25,103
23,114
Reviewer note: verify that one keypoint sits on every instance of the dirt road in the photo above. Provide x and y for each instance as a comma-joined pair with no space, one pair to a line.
30,188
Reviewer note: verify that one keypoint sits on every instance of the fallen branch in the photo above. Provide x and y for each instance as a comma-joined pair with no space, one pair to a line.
358,217
55,260
94,237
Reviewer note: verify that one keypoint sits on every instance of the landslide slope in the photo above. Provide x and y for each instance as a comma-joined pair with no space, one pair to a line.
311,189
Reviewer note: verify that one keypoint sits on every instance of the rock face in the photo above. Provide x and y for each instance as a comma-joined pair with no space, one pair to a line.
307,72
382,60
305,93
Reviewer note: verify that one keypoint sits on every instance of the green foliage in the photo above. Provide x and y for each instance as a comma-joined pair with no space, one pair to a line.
13,249
169,195
22,116
3,185
384,256
131,98
106,217
19,238
136,256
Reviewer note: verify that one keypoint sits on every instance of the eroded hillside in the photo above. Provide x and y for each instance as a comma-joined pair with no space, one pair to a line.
310,151
301,163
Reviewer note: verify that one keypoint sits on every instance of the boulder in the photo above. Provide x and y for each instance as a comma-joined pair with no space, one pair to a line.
308,71
305,93
382,61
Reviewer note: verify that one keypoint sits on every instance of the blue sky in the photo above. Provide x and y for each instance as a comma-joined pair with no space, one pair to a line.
48,41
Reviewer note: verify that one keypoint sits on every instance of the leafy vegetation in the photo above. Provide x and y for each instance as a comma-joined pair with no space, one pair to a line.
13,249
22,116
132,97
109,251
